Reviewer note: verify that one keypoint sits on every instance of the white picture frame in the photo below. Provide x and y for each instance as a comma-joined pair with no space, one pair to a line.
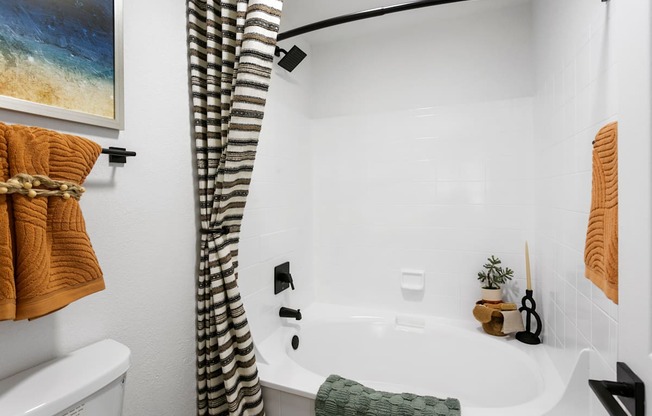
116,121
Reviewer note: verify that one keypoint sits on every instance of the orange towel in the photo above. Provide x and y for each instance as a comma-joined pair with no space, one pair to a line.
54,261
601,252
7,285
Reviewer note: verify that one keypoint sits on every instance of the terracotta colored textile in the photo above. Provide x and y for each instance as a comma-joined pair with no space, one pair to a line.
54,261
601,252
483,311
7,284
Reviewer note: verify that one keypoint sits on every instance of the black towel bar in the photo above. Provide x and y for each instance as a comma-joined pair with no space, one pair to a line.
629,388
118,154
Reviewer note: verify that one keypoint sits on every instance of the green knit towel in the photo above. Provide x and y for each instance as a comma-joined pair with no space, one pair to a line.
341,397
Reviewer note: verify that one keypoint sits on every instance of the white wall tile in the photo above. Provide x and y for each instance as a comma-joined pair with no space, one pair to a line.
250,251
584,316
277,225
576,62
427,201
600,331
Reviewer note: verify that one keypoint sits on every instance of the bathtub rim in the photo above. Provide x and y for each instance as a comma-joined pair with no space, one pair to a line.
278,371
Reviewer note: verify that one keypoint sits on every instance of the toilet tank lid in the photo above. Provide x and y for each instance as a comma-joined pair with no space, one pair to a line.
54,386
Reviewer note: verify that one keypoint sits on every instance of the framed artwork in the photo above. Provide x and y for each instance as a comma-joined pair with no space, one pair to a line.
63,59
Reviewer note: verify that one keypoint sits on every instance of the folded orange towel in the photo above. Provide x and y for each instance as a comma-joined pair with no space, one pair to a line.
55,263
7,285
504,306
601,252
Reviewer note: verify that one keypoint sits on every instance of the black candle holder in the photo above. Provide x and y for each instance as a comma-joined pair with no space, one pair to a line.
527,336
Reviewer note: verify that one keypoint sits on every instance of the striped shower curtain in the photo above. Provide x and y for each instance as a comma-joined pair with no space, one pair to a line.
231,45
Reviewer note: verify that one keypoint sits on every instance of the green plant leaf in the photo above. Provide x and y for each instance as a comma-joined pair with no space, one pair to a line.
494,275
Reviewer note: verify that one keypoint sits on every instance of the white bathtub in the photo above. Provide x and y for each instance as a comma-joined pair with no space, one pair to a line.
421,355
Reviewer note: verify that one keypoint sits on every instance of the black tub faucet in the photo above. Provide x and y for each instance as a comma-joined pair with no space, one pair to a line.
290,313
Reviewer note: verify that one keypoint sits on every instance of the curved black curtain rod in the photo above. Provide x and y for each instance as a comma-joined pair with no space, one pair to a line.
347,18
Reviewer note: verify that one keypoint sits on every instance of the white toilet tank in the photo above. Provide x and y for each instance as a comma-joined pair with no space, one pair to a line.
86,382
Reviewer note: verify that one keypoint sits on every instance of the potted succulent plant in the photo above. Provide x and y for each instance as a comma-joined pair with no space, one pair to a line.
492,277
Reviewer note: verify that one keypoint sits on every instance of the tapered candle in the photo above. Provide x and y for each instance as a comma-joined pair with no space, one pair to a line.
527,267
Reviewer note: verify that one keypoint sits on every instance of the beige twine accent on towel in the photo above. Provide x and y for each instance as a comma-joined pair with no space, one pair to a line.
32,186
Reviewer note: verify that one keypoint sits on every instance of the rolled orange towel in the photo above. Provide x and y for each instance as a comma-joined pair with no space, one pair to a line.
7,285
55,262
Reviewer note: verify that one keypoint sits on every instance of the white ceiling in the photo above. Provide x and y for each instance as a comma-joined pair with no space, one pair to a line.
298,13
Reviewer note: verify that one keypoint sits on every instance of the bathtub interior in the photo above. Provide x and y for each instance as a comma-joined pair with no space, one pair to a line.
387,356
430,356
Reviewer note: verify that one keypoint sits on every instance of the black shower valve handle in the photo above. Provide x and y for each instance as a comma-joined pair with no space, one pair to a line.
287,278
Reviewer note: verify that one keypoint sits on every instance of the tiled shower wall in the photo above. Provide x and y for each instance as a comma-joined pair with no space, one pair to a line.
277,224
576,95
432,157
423,159
435,189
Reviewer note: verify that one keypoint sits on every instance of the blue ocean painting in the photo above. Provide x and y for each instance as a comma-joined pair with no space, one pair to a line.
59,53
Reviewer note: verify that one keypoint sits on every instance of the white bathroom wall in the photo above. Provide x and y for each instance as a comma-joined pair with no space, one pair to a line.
577,93
409,63
435,189
277,224
633,46
141,220
422,155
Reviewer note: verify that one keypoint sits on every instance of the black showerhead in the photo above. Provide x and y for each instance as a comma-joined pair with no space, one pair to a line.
292,58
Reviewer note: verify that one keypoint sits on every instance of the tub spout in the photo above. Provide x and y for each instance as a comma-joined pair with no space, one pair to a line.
290,313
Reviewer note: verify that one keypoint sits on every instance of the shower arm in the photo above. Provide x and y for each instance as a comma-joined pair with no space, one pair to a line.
367,14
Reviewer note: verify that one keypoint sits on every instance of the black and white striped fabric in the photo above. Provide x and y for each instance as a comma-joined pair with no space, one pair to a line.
231,45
